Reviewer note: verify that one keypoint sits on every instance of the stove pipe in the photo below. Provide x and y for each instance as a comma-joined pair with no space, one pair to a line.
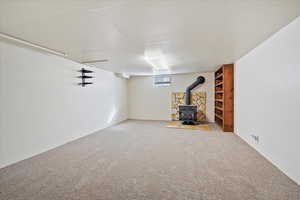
200,80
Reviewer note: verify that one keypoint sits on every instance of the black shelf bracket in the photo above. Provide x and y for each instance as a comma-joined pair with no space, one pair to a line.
83,77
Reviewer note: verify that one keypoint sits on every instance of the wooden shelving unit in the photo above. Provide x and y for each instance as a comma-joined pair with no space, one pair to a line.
224,89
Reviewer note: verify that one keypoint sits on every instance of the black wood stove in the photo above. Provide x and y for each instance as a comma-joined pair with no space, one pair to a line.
188,112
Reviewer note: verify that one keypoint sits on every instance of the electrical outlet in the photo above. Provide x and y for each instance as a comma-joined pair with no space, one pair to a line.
255,138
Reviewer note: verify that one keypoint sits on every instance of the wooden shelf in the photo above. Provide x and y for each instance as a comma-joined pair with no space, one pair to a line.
219,71
219,108
224,97
219,76
219,116
221,83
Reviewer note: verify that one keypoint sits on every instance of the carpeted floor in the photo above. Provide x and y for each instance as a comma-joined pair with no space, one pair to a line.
139,160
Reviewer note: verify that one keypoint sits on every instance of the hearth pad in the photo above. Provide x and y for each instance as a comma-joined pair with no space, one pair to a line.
178,124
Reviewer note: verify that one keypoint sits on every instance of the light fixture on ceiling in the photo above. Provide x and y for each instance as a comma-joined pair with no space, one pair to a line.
156,59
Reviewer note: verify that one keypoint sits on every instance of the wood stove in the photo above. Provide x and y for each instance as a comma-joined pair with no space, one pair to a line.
188,112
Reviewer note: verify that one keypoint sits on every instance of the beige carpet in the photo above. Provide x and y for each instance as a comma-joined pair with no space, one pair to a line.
141,160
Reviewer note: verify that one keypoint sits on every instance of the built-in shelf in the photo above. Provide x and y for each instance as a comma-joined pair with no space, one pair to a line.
224,97
221,83
219,76
219,116
219,108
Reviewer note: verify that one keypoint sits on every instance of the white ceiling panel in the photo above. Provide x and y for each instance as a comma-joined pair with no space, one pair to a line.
194,35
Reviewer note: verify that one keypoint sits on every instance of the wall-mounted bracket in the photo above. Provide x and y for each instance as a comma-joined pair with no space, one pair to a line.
83,77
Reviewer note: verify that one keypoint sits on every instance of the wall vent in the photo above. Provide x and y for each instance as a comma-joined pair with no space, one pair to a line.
161,80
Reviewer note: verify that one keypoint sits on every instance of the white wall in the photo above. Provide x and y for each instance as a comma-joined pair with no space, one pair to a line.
43,107
154,103
267,99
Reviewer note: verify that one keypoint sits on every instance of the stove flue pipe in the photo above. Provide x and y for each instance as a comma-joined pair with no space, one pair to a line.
200,80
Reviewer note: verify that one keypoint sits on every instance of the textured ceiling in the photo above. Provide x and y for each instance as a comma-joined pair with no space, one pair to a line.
194,35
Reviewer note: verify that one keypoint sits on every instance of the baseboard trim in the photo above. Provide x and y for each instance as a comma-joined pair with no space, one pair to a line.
268,159
64,143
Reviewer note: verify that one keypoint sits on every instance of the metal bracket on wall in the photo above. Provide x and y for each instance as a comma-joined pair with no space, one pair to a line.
84,76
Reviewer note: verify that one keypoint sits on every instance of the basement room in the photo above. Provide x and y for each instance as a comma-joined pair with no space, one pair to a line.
149,100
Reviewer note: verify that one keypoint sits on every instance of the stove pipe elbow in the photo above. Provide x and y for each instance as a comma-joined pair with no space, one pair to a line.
200,80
